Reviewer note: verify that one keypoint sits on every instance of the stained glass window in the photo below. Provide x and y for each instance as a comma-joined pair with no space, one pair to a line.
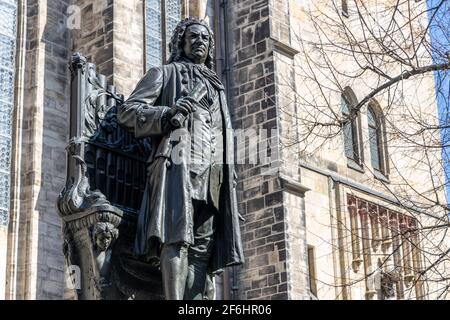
8,12
161,18
153,32
173,16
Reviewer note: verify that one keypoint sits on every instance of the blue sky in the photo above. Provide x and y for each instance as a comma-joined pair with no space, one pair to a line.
440,39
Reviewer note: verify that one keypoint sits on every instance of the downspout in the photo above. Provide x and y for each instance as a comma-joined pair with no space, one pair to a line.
226,70
221,7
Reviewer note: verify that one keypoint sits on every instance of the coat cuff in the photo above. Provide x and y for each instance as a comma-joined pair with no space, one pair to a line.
151,121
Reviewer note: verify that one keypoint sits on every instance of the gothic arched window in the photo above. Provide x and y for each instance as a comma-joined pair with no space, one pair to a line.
161,18
351,127
376,137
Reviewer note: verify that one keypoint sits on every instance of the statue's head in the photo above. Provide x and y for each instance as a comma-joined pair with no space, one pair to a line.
193,39
103,235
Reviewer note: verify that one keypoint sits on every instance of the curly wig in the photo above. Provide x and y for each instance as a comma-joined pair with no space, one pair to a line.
177,41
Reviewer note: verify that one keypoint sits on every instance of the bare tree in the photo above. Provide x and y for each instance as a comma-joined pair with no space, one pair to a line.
372,83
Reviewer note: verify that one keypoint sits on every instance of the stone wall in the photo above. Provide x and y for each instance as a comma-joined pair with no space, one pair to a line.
260,197
35,266
274,232
94,38
112,37
128,52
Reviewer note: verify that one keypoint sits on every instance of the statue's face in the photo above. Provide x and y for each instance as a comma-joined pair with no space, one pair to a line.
103,240
196,43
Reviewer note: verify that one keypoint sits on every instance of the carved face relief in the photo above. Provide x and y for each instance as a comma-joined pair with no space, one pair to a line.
196,43
103,240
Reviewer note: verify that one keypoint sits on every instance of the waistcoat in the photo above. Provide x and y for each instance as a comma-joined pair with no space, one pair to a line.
206,166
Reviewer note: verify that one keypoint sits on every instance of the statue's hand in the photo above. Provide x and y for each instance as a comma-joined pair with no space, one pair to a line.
184,106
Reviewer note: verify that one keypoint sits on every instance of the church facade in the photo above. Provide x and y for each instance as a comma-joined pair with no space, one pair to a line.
318,224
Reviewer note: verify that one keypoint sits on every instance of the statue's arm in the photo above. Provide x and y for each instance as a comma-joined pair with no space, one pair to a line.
138,114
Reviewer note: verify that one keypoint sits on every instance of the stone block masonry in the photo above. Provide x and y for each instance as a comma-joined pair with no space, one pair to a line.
273,232
263,275
35,262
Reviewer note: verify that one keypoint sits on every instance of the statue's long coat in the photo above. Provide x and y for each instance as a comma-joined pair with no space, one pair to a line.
166,213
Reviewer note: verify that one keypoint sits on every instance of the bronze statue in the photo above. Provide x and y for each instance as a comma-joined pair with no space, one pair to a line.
189,217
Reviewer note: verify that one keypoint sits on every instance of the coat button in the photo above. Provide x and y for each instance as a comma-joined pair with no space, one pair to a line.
142,119
184,81
184,92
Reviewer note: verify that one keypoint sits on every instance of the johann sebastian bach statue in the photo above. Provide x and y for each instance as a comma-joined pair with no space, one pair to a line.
189,217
